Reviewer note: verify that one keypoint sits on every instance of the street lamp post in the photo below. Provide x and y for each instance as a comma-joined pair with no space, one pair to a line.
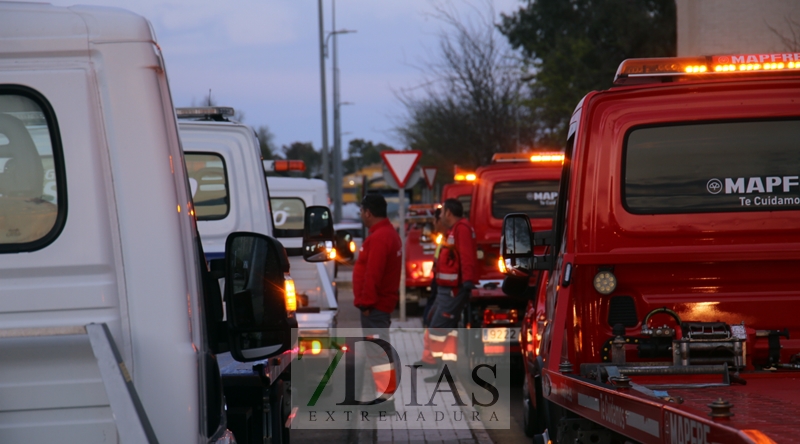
335,183
326,169
337,128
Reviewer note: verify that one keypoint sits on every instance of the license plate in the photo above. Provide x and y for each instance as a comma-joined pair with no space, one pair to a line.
502,334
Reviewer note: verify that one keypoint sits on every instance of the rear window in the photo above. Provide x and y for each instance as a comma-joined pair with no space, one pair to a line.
536,198
714,167
466,203
209,183
288,215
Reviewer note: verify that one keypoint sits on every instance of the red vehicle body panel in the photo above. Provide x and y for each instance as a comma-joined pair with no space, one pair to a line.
419,259
733,267
461,191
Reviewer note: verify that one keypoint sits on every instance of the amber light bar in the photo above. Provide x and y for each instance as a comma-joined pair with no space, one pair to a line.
283,165
637,71
527,157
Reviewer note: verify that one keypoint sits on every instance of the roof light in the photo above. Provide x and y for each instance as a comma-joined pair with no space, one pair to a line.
465,177
283,165
636,71
205,111
547,158
528,157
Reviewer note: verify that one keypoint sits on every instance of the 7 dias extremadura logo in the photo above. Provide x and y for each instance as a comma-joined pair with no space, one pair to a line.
363,378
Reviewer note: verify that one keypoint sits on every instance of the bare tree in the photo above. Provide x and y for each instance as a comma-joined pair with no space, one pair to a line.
469,104
790,42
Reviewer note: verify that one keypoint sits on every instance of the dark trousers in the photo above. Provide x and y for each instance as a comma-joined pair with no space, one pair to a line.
450,302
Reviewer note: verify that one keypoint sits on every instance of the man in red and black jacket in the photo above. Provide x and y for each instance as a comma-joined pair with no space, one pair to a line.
456,275
376,288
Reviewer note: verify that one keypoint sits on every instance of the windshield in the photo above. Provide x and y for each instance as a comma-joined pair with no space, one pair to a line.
288,215
698,168
536,198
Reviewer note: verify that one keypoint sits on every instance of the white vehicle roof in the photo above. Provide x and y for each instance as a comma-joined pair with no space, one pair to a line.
297,183
71,28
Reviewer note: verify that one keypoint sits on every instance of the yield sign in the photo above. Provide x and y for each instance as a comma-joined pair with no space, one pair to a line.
401,164
429,173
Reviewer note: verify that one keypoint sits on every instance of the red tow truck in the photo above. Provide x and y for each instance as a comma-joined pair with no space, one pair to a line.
668,299
513,183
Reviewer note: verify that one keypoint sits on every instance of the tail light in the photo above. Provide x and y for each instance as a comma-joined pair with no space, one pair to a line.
499,316
290,294
313,345
427,268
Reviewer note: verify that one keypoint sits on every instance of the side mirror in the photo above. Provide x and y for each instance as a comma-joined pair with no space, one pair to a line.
318,235
517,245
345,247
260,312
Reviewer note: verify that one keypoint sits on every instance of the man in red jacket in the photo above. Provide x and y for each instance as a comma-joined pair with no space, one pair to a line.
376,285
376,275
456,275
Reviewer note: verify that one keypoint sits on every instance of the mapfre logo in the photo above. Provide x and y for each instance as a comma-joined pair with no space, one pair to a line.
714,186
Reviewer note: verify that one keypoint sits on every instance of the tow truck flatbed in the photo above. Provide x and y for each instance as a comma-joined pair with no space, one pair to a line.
765,409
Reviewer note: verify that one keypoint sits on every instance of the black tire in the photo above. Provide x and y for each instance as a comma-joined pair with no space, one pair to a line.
279,413
533,418
529,416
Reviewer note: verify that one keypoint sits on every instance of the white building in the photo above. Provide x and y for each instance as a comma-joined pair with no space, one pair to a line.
709,27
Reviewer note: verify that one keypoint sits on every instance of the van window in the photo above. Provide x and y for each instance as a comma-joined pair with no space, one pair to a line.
288,215
700,168
536,198
466,203
208,179
32,194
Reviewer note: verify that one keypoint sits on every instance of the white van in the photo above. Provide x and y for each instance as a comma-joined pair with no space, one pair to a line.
111,321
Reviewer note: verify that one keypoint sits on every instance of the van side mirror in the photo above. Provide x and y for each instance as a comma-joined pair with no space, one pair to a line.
345,247
258,317
517,245
318,235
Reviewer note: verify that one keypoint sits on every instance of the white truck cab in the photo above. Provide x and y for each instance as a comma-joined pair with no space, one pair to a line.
314,281
228,189
111,321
